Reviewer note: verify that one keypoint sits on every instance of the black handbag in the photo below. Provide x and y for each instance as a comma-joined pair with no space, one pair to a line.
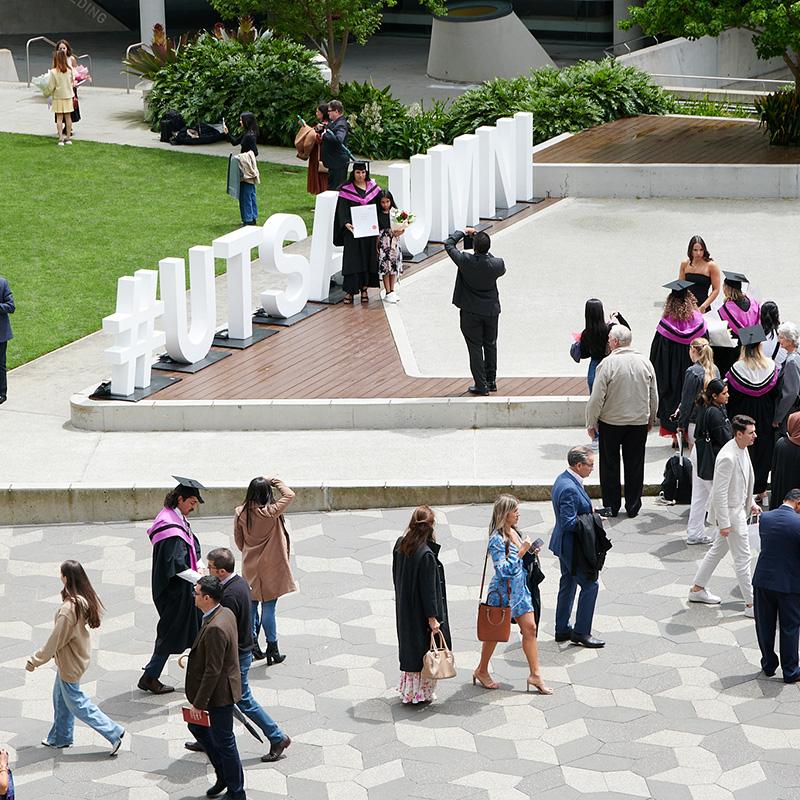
705,452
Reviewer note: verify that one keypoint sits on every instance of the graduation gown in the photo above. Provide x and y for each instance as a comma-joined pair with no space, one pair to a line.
736,317
669,355
753,392
360,256
785,470
175,549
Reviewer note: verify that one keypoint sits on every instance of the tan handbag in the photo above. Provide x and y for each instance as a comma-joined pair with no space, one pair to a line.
438,663
494,622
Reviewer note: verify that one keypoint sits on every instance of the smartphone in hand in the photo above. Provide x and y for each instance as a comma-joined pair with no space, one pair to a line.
537,545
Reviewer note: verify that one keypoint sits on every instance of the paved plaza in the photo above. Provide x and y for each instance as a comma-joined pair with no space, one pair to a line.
674,707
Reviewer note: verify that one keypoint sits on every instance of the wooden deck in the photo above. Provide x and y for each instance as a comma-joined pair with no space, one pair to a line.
670,140
342,352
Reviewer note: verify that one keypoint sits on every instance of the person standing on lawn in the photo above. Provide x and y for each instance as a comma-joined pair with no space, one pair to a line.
7,308
61,86
247,188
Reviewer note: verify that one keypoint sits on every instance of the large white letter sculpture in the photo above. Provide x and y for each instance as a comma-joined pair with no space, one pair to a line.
417,234
280,228
326,258
184,343
235,248
133,329
441,156
524,146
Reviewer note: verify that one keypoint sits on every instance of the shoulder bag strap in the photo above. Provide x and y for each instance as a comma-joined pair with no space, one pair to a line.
483,577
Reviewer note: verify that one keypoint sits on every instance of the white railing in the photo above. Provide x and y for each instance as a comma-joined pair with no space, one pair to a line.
611,51
127,74
765,83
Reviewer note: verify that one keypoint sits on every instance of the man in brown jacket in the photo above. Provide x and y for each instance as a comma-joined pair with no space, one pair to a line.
213,684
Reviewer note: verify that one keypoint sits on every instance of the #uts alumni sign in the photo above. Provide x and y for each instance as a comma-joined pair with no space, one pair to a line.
448,188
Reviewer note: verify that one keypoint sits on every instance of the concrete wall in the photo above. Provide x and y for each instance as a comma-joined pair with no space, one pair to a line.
484,49
59,16
731,54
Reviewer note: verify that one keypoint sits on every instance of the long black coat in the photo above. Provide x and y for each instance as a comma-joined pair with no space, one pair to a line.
420,593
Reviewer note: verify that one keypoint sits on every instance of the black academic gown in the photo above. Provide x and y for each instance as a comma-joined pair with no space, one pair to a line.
419,593
178,618
785,471
360,256
670,360
761,407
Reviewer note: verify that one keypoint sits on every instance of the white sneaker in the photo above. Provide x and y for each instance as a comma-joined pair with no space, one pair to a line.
704,596
749,612
68,141
391,297
60,143
700,540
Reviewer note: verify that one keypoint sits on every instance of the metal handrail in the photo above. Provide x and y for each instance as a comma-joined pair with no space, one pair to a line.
609,51
127,74
28,51
726,78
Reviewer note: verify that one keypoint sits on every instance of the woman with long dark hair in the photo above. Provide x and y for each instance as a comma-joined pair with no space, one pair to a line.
594,337
712,431
247,188
420,602
770,322
259,531
317,180
70,646
509,588
702,271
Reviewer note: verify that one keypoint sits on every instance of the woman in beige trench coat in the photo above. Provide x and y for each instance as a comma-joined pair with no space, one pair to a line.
260,533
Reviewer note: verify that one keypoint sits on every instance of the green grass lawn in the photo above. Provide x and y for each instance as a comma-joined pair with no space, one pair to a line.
76,218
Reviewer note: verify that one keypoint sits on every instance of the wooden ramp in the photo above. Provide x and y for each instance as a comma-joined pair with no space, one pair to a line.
670,140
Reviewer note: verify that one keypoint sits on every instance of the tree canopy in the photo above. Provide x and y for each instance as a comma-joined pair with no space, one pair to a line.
775,24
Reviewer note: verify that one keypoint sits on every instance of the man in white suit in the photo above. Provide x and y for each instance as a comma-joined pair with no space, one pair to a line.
729,505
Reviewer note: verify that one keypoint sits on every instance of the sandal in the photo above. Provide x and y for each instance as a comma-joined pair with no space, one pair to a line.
348,300
364,296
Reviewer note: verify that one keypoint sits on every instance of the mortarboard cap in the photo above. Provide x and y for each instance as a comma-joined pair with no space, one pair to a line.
360,163
752,335
678,286
192,486
735,279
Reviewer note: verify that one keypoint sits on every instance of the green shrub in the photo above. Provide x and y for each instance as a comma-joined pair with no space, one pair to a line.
707,106
569,99
212,77
779,113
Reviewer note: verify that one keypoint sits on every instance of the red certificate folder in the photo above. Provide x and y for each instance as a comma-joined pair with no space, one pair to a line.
204,720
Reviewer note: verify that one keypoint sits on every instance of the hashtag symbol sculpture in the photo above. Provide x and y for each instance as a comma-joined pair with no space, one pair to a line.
133,329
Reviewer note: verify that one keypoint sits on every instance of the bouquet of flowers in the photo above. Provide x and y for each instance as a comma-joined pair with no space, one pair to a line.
41,82
81,74
402,219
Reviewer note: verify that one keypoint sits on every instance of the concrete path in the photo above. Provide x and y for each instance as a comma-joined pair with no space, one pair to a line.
673,708
115,117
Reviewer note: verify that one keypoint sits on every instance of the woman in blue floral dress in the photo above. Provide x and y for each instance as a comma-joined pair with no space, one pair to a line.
509,587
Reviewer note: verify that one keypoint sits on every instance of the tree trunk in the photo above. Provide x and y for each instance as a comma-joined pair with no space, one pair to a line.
794,68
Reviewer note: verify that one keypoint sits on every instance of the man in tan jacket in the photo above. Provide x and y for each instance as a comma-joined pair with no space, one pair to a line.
213,684
622,408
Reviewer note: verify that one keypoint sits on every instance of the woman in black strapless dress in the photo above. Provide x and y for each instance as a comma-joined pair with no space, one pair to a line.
699,268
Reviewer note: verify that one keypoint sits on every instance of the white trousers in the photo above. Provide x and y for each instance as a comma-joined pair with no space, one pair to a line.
738,542
701,490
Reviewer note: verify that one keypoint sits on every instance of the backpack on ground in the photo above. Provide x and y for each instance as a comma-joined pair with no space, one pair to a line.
171,123
676,488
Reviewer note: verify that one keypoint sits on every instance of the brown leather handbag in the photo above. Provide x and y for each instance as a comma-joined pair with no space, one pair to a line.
494,622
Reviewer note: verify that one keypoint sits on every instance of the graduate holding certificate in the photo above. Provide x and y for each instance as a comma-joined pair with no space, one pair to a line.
352,232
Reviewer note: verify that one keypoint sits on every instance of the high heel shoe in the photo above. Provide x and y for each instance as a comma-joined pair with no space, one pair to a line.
477,679
274,656
540,687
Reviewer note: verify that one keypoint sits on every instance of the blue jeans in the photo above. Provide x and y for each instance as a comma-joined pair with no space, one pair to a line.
247,202
250,707
220,745
267,620
70,702
566,597
592,370
155,666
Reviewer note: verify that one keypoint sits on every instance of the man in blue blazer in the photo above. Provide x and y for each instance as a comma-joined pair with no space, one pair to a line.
776,587
569,500
6,307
